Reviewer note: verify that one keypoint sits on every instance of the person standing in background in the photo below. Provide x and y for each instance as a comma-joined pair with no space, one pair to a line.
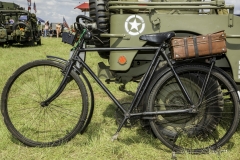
46,29
50,32
58,29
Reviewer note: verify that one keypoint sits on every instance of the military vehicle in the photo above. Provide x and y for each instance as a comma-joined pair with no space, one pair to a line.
14,30
123,22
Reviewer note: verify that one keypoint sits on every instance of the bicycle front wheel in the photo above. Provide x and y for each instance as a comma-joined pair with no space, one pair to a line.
216,118
33,124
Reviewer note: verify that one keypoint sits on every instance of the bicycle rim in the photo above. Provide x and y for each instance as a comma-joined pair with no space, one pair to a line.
33,124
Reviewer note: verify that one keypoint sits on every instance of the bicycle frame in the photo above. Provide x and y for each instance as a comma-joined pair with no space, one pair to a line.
142,86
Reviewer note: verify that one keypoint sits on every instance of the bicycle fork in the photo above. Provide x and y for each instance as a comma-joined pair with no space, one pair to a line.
62,85
68,68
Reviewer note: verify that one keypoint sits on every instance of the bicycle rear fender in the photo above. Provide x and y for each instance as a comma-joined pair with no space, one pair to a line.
229,78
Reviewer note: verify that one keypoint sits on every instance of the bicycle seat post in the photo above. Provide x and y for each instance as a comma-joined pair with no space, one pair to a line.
142,88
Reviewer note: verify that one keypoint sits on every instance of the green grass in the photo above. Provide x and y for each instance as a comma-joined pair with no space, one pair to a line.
95,143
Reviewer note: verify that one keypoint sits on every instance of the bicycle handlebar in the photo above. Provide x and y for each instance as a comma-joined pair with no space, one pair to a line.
84,17
87,25
91,25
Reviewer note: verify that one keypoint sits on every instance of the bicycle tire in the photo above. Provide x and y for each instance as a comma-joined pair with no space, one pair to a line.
208,129
34,125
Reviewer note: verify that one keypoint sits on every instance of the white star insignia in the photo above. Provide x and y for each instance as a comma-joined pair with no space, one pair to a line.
134,24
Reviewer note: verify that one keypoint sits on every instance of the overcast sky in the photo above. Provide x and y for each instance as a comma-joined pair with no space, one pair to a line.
55,10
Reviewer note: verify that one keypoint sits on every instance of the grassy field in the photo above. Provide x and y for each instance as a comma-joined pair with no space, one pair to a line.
95,143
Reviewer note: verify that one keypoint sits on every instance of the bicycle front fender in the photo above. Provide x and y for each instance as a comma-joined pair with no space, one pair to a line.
57,59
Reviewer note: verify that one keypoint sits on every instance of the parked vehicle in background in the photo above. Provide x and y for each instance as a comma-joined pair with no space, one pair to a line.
14,30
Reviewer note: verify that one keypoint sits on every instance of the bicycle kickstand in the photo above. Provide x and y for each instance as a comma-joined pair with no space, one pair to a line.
174,157
115,136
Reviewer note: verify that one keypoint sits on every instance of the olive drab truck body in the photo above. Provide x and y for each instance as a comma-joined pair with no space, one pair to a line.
125,21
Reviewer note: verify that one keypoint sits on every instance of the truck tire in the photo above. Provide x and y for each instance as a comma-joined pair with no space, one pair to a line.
39,42
101,17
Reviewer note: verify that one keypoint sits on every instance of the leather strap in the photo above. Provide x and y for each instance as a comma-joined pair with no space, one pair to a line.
210,44
186,47
195,46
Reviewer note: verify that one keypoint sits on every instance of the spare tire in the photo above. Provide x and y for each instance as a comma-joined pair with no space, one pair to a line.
19,25
101,17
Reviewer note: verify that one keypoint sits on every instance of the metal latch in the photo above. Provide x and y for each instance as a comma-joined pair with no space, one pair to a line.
156,21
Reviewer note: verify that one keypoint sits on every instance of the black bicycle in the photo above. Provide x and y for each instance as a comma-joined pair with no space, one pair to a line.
189,106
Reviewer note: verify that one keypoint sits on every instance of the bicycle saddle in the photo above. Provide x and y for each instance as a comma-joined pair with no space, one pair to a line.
157,38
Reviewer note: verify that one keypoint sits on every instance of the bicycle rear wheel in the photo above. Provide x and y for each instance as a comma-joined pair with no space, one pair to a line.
33,124
215,121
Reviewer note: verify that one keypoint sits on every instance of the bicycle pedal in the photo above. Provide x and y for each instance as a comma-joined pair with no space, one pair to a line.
115,137
174,157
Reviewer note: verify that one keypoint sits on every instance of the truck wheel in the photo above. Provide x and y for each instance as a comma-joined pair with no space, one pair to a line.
101,16
39,42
